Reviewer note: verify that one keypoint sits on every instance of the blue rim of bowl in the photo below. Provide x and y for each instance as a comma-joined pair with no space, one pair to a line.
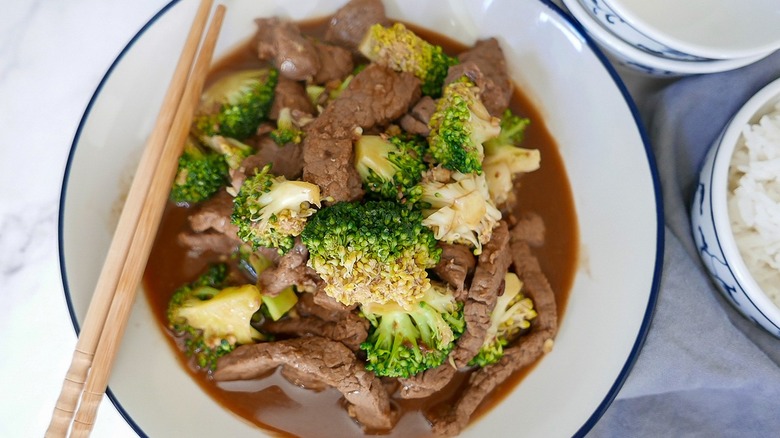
654,288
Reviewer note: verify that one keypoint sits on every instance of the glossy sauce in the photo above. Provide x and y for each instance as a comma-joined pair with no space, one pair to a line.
284,409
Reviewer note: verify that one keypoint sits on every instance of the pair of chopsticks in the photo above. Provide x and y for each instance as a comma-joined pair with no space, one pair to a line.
109,310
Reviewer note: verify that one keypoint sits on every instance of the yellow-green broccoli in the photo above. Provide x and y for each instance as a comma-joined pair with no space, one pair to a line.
270,211
504,159
402,50
235,105
214,319
510,317
372,252
459,126
404,341
391,166
459,210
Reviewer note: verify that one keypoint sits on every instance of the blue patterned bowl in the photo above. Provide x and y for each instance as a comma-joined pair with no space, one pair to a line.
646,62
614,23
710,219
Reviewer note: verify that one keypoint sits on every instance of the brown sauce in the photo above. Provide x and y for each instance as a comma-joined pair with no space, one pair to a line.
284,409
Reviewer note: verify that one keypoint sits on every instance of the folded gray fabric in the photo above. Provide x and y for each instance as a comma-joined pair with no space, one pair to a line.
704,370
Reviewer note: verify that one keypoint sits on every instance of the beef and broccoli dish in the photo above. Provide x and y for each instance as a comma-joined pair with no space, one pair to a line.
370,230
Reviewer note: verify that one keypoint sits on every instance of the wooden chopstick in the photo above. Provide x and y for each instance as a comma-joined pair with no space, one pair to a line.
125,247
142,241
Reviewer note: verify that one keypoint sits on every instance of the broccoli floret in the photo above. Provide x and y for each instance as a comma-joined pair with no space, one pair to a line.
459,126
213,319
372,252
504,160
288,130
391,167
232,150
512,315
459,210
252,264
270,210
402,50
200,174
405,341
235,105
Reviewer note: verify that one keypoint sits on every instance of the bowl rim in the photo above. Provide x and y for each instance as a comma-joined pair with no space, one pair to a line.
654,287
613,42
756,106
670,52
629,11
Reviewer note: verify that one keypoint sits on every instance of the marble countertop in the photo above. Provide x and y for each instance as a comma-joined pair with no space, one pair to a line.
52,56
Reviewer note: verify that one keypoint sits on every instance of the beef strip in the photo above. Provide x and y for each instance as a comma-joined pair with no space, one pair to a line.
523,351
303,379
290,94
416,120
456,263
291,270
211,229
374,97
489,57
322,306
468,69
335,63
351,22
349,332
329,361
214,214
530,229
281,42
284,160
488,277
428,382
219,243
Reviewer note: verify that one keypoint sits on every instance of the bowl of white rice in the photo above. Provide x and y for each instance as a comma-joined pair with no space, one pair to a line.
735,214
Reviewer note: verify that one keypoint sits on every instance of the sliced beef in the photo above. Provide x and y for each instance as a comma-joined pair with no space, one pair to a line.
281,42
290,94
210,227
350,23
524,351
303,379
489,57
488,277
313,304
328,361
455,265
214,214
349,332
335,63
428,382
327,302
291,270
208,241
416,120
529,229
374,97
468,69
285,160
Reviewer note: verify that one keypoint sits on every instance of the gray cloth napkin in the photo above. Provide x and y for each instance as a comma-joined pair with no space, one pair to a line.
704,370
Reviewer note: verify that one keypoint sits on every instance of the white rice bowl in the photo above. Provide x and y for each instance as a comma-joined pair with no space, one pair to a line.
754,201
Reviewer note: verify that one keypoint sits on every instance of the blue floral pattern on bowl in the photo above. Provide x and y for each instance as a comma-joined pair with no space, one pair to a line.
711,251
622,29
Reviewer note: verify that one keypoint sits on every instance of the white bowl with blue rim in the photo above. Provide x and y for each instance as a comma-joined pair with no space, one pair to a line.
636,59
614,23
710,222
615,210
717,29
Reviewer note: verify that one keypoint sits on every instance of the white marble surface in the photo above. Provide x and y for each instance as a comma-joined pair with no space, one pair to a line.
52,56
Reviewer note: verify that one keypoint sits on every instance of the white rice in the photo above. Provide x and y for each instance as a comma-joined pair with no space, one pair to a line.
754,201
